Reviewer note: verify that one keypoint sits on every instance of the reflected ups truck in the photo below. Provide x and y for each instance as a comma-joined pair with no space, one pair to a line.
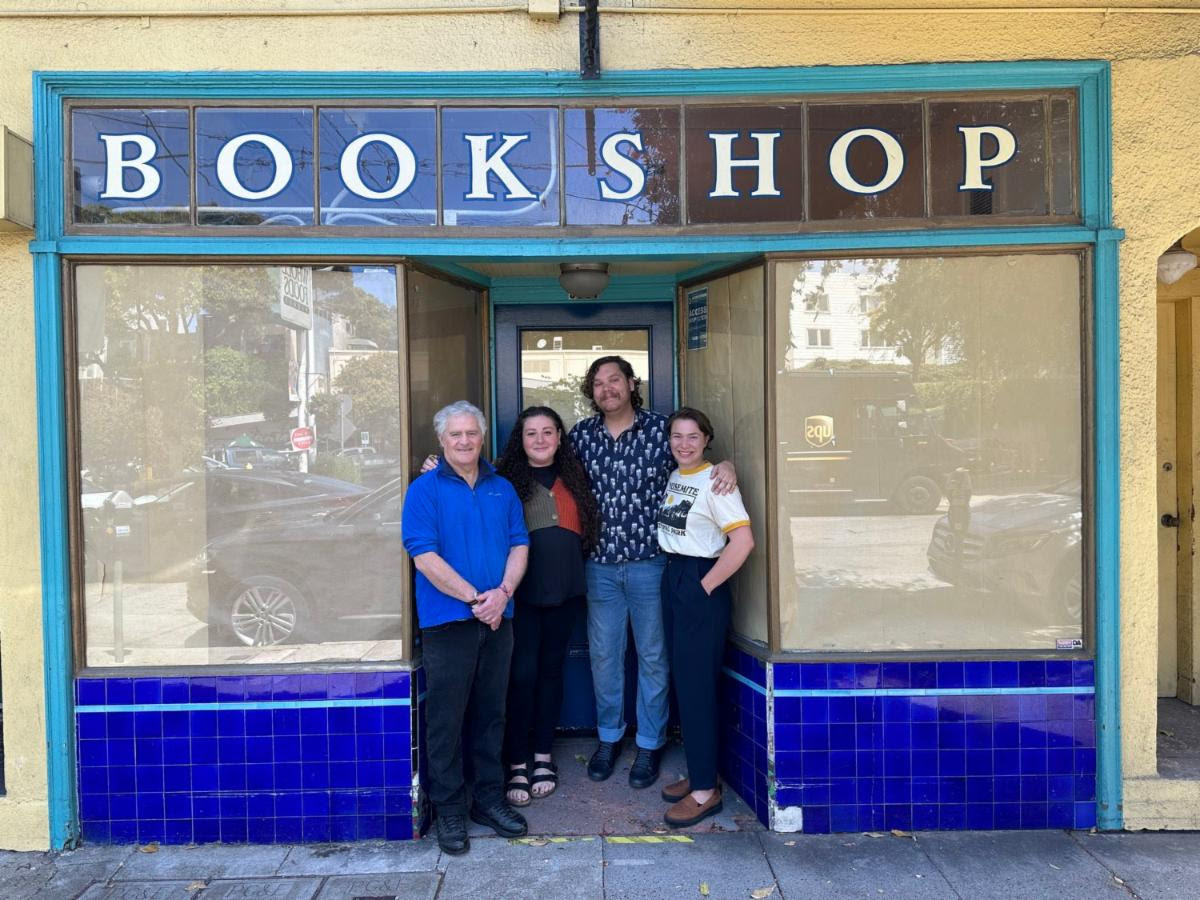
862,437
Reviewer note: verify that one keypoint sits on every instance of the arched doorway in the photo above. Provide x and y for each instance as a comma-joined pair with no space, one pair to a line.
1178,410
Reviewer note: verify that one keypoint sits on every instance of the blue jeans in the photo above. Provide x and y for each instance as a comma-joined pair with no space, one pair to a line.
620,593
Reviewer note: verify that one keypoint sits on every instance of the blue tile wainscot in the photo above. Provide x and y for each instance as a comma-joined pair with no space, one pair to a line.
834,747
247,759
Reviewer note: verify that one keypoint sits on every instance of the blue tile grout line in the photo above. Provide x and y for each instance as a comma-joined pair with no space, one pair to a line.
928,692
246,704
738,676
910,692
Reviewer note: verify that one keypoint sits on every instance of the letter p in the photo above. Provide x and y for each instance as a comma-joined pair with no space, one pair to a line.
973,161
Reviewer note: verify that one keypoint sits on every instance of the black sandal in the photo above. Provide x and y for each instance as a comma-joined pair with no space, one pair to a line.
550,777
511,784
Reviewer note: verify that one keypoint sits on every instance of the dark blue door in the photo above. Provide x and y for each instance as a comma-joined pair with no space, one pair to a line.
542,352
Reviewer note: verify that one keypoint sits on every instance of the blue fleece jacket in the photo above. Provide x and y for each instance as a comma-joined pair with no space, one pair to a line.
472,529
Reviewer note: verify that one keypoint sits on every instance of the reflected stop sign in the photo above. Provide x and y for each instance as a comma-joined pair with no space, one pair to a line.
302,438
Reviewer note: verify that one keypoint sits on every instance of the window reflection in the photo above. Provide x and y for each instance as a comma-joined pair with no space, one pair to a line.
444,354
379,167
253,167
164,130
929,453
587,132
500,167
553,364
239,452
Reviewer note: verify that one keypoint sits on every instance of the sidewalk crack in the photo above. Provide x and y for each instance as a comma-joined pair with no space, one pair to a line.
1109,869
441,881
936,867
108,882
283,862
770,868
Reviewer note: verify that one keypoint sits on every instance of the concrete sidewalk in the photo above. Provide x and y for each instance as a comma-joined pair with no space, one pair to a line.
747,864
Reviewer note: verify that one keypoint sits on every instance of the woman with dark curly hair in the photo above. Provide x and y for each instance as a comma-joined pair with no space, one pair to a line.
563,523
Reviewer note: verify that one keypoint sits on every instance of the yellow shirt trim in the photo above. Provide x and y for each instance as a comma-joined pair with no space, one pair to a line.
699,468
734,526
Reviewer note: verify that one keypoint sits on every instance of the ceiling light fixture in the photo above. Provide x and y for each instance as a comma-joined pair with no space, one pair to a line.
1175,263
583,280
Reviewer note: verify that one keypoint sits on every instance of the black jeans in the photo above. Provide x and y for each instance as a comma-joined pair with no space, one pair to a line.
466,674
535,688
695,624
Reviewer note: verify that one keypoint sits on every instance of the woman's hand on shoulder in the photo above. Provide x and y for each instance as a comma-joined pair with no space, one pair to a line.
724,478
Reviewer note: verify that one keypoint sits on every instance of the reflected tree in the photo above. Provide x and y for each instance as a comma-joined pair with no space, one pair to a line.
561,395
367,315
373,381
235,383
921,309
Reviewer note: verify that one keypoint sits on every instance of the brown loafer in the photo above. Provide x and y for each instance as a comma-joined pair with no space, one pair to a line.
677,790
688,812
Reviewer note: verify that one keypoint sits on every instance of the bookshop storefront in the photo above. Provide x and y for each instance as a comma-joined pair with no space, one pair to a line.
892,290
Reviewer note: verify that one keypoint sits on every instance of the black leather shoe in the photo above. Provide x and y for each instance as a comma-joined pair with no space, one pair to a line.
452,834
501,818
604,760
645,768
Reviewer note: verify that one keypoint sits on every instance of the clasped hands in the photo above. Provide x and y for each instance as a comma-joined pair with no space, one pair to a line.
490,608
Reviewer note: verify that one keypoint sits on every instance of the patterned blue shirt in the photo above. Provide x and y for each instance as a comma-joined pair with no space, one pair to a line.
629,476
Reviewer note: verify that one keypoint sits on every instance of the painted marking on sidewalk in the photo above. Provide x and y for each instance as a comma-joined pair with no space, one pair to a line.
650,839
543,841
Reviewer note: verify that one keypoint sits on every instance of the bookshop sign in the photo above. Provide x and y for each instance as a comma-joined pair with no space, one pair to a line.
559,166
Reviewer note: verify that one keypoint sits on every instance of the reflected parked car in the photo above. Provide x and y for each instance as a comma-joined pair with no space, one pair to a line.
861,437
1024,545
166,525
374,468
305,580
249,455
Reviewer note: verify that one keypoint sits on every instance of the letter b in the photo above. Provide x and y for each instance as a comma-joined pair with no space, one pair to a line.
115,165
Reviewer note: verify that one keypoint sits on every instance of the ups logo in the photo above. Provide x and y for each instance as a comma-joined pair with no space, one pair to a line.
818,431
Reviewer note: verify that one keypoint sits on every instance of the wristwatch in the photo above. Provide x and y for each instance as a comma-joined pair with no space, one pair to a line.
477,599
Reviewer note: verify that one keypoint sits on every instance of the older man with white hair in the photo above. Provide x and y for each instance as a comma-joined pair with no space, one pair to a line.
464,527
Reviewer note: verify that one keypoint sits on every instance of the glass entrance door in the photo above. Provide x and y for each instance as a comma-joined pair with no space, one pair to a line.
542,354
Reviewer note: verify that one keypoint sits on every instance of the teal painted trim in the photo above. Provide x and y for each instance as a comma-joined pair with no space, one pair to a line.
56,587
1095,149
1089,77
932,692
341,703
49,147
462,273
58,665
491,351
1107,503
513,85
462,248
678,354
738,676
705,269
621,289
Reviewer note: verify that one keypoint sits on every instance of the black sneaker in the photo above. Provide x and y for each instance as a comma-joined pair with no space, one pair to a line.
645,768
604,760
452,834
501,818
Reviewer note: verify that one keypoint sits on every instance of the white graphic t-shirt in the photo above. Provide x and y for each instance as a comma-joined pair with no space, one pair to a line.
692,520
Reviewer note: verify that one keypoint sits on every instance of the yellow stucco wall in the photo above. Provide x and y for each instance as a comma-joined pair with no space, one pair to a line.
1156,112
23,823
